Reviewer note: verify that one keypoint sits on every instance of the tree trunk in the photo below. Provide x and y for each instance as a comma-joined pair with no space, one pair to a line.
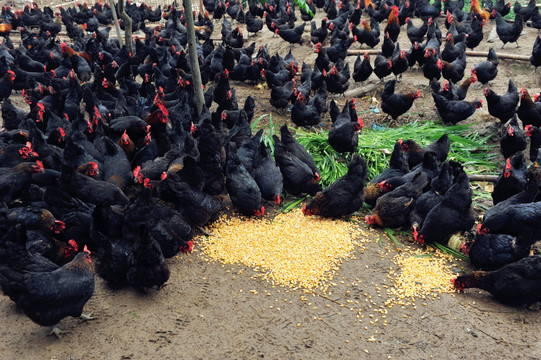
127,26
115,20
194,62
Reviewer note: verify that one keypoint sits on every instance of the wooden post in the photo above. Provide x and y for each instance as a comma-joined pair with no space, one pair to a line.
194,62
115,20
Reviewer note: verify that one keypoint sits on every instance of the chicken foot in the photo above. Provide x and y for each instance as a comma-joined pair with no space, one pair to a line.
87,317
56,331
205,232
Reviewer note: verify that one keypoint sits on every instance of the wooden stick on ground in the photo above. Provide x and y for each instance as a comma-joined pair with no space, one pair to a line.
478,177
468,53
363,90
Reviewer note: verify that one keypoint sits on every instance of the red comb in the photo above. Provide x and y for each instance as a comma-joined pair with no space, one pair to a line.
74,244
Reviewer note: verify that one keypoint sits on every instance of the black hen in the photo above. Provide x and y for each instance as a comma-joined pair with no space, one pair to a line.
512,180
48,297
241,186
343,136
515,284
502,106
298,176
395,104
453,214
487,70
513,140
344,196
492,251
267,175
362,68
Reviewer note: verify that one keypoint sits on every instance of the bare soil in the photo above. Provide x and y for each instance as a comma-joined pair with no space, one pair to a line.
212,311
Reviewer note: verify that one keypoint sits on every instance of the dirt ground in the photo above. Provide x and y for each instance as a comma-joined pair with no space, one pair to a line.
212,311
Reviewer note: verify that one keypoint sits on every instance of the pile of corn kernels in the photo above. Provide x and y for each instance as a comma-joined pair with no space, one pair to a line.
306,252
421,274
291,249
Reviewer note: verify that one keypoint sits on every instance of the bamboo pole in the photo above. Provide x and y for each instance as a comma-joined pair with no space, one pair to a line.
500,56
362,52
468,53
127,26
194,61
115,19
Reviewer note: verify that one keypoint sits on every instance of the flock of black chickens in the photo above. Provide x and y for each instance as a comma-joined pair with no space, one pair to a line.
112,157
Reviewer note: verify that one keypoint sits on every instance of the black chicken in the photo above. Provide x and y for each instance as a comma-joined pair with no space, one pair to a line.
253,25
298,177
241,186
534,133
48,297
513,140
502,106
267,175
508,32
429,199
343,136
453,71
515,284
395,104
337,80
399,61
535,59
453,111
416,153
529,111
318,35
453,214
487,70
382,67
292,36
492,251
362,68
304,114
525,12
416,34
392,209
344,196
512,180
293,146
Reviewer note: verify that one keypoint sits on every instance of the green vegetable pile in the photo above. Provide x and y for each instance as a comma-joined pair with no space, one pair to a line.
467,147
